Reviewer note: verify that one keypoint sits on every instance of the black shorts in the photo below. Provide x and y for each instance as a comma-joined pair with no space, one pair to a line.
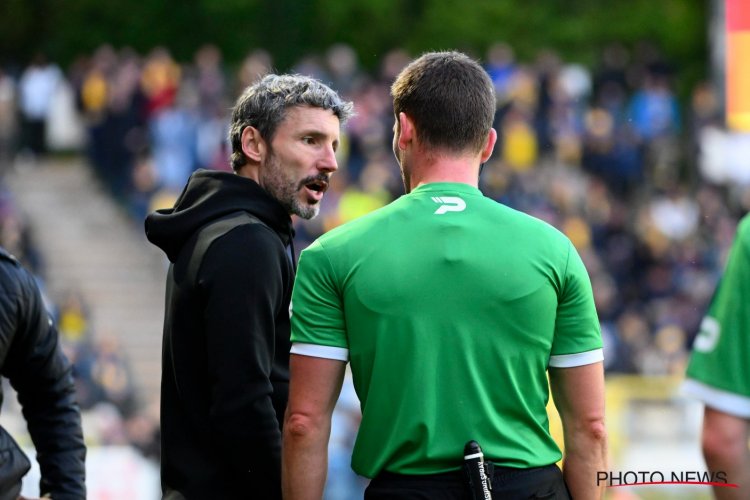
507,483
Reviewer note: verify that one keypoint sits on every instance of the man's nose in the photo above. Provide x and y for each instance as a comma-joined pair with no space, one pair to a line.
328,162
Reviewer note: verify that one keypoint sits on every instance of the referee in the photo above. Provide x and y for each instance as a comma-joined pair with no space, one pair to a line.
452,309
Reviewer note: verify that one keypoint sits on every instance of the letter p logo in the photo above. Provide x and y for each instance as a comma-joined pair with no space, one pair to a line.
449,204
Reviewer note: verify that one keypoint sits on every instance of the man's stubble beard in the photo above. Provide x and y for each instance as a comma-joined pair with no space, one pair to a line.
285,190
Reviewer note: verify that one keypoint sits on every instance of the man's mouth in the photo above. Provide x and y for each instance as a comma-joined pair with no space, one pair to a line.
317,185
315,189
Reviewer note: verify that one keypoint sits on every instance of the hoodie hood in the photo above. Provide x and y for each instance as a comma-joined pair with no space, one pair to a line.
209,195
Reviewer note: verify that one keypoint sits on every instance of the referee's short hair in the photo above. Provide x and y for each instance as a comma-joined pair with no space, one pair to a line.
449,97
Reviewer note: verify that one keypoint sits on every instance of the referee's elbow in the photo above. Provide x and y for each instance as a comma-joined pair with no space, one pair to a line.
597,430
300,426
591,429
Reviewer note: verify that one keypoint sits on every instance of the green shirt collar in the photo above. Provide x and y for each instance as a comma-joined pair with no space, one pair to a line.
453,187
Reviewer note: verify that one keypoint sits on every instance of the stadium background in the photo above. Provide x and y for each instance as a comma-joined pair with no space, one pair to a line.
611,122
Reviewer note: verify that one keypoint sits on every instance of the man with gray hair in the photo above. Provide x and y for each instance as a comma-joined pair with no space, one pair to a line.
225,365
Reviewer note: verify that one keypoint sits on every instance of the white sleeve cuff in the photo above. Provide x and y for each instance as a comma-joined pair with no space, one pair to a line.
578,359
719,399
321,351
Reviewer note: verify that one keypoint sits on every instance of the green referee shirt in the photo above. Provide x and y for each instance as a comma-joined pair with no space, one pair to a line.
719,369
449,307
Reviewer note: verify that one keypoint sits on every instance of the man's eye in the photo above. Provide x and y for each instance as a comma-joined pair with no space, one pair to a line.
308,140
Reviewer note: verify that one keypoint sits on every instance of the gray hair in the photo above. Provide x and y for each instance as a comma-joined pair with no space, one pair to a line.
263,105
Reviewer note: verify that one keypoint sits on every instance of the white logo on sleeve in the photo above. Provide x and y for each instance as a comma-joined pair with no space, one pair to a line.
449,204
708,336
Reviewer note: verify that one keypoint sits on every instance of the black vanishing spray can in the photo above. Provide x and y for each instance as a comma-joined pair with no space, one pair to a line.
480,484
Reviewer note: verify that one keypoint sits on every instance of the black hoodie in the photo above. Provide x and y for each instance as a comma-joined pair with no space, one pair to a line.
225,357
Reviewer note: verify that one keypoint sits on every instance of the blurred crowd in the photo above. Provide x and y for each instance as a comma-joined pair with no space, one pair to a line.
647,183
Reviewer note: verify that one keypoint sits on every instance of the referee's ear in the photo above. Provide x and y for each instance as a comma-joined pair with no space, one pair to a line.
489,145
406,131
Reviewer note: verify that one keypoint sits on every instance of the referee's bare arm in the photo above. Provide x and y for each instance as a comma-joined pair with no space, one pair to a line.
314,387
578,393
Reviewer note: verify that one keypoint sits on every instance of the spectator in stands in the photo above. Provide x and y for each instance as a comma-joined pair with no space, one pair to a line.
8,120
37,87
111,372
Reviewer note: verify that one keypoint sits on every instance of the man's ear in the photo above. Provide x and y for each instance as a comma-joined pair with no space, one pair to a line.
489,145
406,132
253,144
